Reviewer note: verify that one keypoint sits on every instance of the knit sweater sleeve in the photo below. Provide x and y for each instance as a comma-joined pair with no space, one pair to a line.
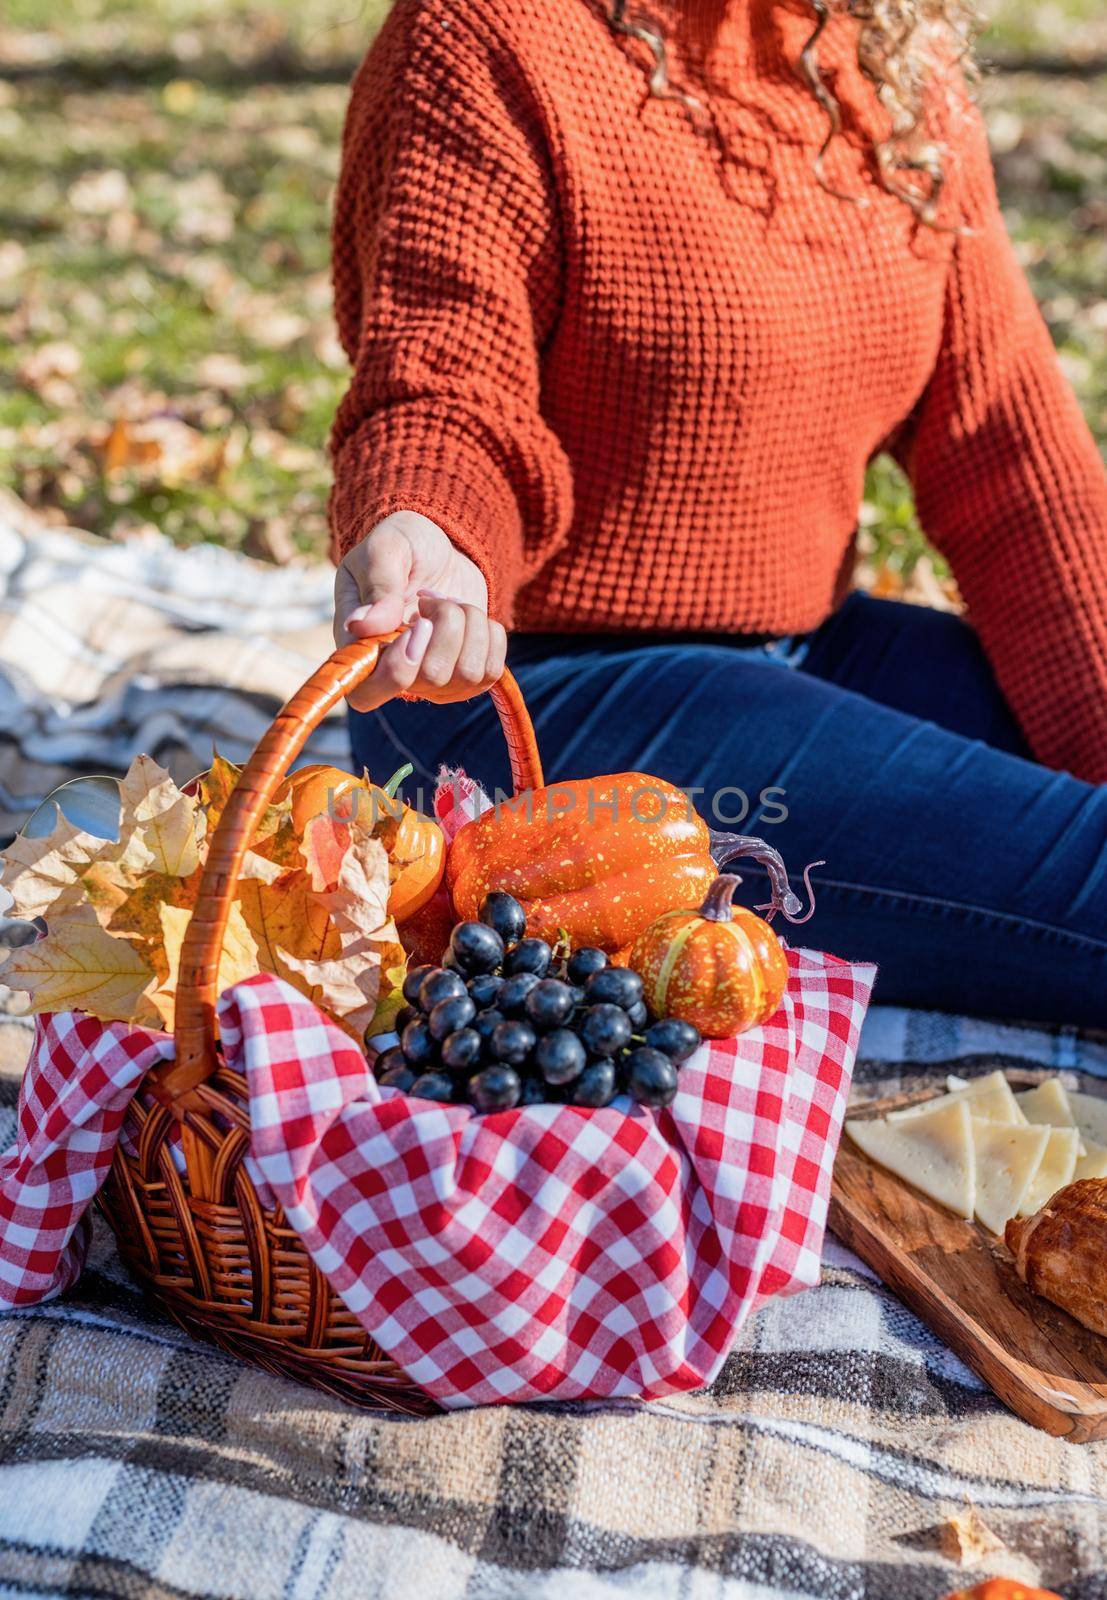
447,265
1011,488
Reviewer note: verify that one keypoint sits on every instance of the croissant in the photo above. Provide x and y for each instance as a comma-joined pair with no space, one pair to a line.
1061,1251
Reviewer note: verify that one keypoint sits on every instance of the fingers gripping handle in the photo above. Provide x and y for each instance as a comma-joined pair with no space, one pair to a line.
258,782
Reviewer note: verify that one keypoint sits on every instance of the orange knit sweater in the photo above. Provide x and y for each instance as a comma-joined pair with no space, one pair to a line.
636,369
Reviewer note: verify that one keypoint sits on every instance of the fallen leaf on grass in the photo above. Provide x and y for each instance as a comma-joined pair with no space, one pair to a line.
967,1539
162,450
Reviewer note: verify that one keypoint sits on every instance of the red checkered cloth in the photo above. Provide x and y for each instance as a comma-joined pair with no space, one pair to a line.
546,1252
79,1081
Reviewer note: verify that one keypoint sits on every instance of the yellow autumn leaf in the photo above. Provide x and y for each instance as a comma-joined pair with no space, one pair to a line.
215,788
133,910
78,966
169,823
286,919
274,834
117,910
38,873
238,958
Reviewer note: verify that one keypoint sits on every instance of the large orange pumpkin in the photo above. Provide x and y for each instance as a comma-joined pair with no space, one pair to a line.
721,967
598,859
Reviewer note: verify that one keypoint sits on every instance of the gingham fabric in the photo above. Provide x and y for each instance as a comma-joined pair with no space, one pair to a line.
547,1252
76,1090
822,1463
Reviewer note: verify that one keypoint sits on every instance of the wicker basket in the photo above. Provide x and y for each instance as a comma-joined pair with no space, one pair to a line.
222,1264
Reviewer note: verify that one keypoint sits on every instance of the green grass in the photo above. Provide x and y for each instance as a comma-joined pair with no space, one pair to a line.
163,257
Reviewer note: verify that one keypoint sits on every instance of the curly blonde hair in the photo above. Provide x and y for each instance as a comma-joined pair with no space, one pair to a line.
898,44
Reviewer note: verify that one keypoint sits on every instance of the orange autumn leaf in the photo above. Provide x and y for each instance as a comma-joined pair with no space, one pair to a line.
325,843
286,918
359,984
215,788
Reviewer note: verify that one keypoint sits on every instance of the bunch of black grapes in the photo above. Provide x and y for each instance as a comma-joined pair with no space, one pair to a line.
500,1024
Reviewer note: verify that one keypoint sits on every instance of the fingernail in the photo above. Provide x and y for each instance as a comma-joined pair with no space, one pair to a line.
431,594
418,638
360,615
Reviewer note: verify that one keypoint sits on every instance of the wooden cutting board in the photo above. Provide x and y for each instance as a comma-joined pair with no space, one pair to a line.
961,1280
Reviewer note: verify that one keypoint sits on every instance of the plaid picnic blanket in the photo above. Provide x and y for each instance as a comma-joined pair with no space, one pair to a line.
823,1463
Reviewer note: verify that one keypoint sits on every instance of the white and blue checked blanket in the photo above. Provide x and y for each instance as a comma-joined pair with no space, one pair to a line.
825,1463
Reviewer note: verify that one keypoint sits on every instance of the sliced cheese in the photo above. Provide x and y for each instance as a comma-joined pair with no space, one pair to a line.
1093,1163
1048,1102
1055,1169
1091,1116
989,1096
933,1150
1007,1158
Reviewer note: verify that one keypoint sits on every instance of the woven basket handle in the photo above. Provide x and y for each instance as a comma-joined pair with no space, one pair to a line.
258,782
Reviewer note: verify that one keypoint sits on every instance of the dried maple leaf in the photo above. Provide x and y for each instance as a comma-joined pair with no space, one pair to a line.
215,790
117,910
38,873
324,846
131,908
286,919
359,984
169,823
78,966
238,958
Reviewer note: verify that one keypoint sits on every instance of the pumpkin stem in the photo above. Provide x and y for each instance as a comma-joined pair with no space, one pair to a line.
807,884
717,903
396,779
729,847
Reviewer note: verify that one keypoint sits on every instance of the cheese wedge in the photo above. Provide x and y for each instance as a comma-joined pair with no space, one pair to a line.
1055,1169
1007,1159
989,1096
1093,1163
1048,1103
933,1150
1090,1113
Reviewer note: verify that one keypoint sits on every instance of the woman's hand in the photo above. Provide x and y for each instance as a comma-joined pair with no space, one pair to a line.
407,568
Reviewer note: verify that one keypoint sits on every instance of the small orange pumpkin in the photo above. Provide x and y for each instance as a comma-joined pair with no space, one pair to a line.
415,844
720,968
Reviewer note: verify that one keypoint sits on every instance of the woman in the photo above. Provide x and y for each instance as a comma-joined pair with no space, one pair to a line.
632,298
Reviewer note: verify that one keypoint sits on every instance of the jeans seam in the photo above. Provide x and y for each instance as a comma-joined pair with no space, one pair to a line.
939,906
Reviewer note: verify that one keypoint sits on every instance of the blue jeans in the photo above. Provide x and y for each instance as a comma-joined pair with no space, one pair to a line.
976,878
